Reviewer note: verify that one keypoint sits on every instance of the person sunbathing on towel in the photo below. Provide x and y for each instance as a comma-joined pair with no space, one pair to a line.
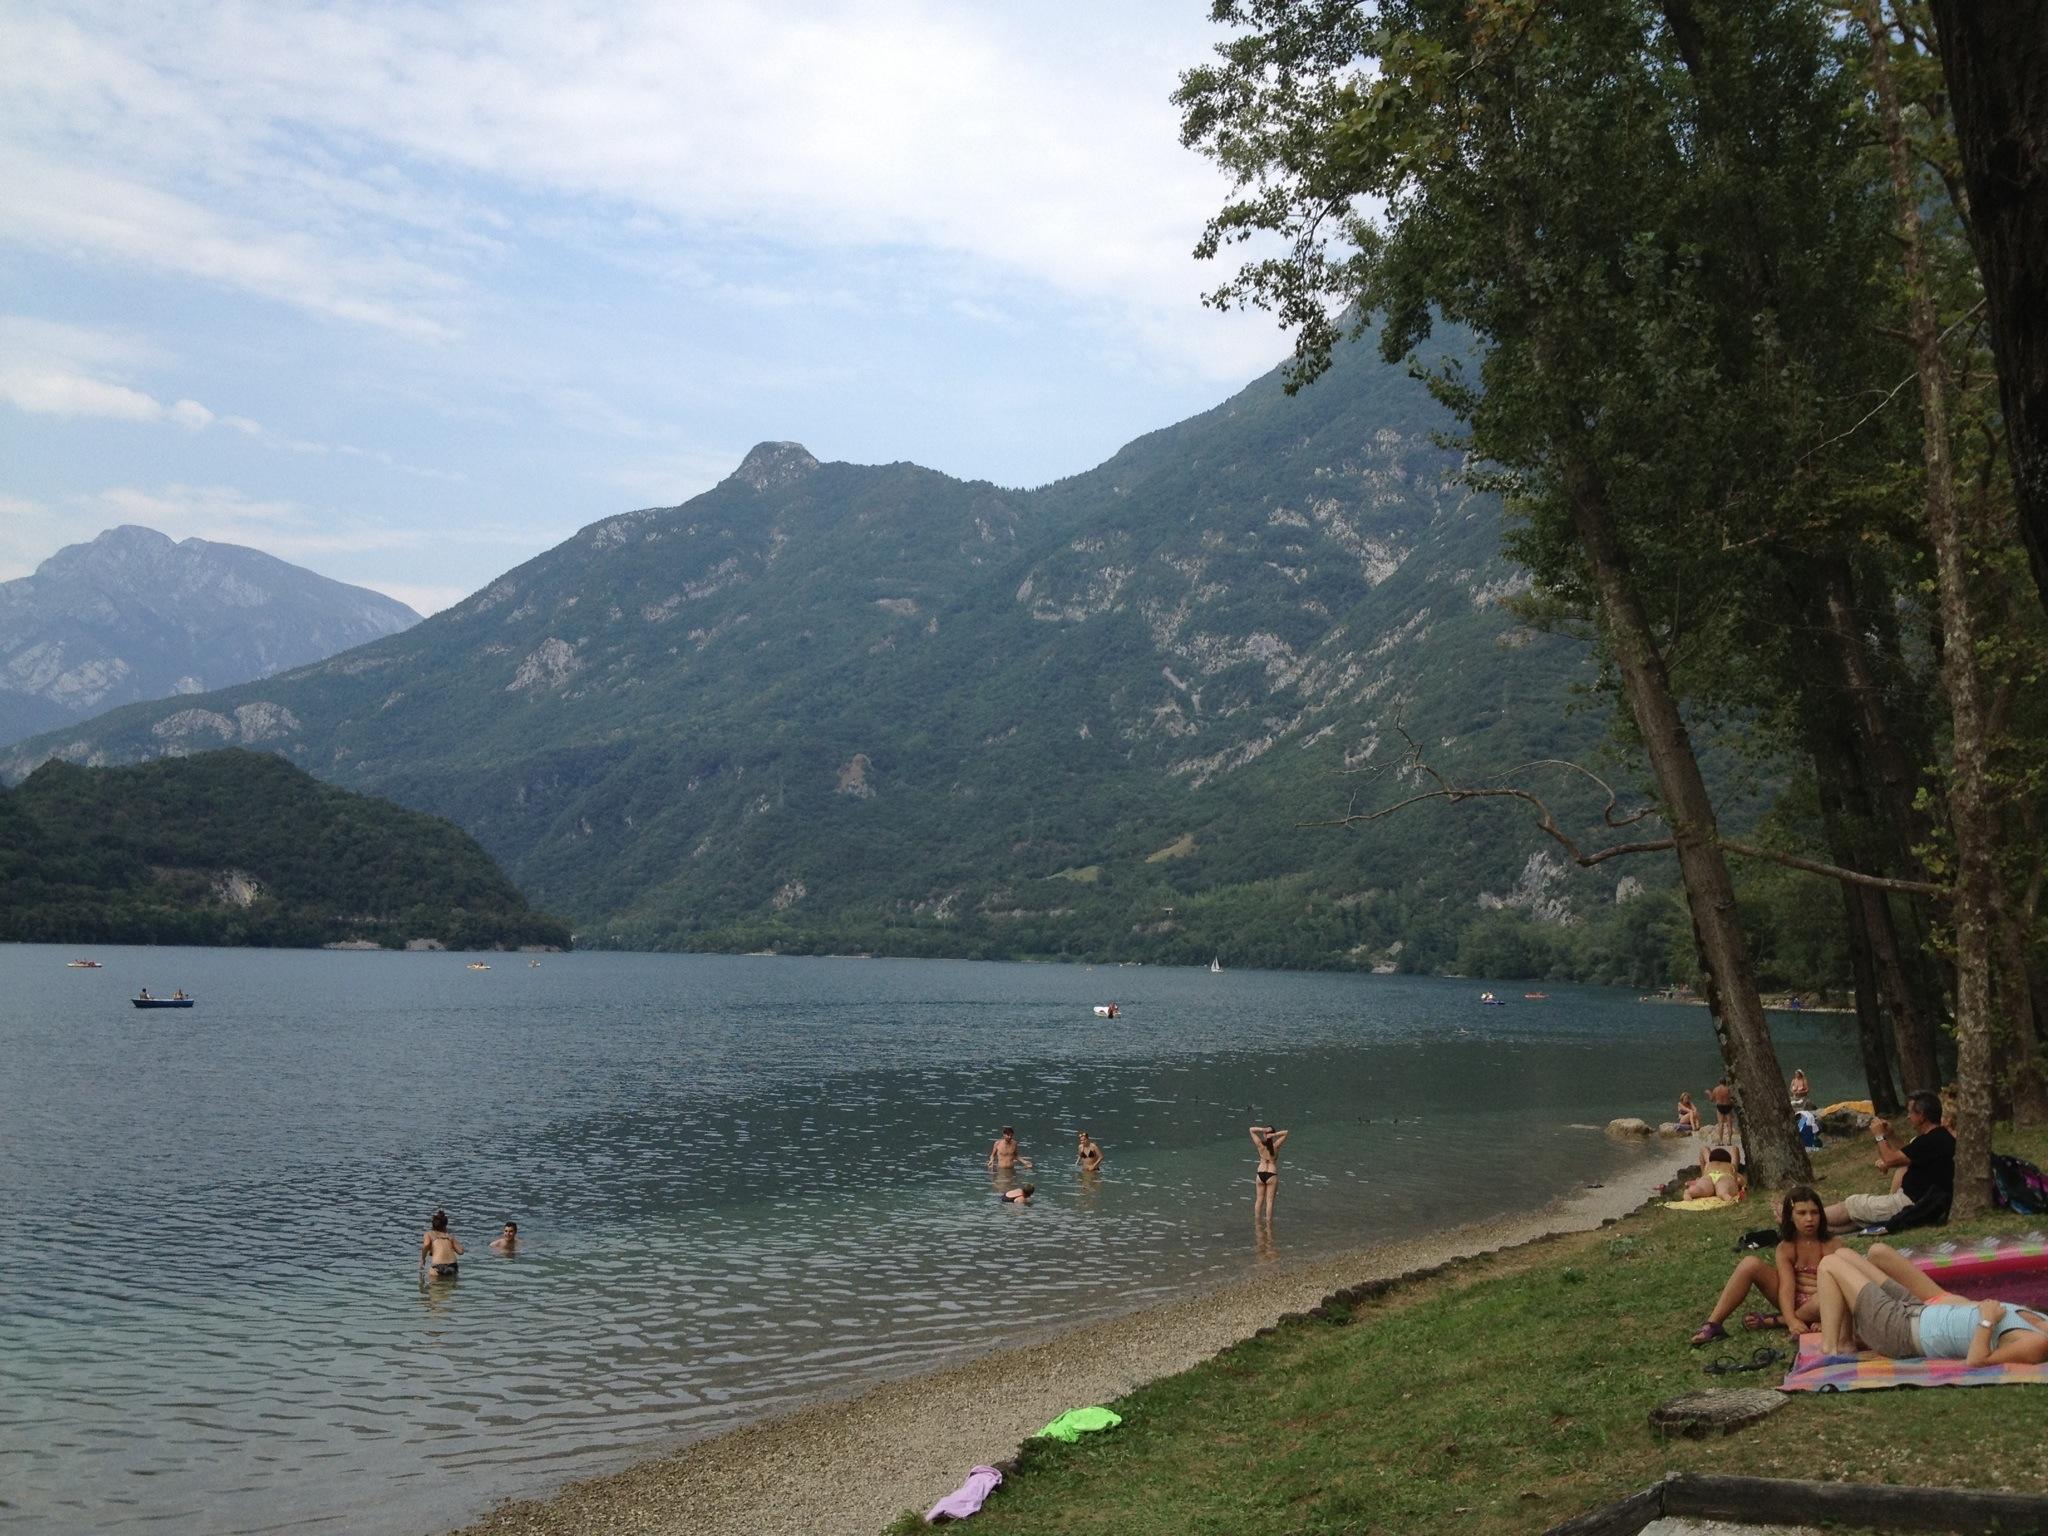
1718,1178
1896,1310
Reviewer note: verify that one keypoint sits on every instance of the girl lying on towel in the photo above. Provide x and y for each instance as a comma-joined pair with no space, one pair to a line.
1803,1241
1718,1178
1896,1310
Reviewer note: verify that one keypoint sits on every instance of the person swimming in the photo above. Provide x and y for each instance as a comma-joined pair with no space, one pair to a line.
439,1248
1088,1154
1268,1140
507,1241
1019,1196
1004,1155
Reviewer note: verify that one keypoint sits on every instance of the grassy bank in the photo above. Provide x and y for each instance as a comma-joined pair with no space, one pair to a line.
1503,1395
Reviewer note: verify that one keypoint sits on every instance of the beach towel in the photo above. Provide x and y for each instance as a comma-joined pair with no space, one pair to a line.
1815,1372
1857,1106
1703,1203
968,1498
1075,1422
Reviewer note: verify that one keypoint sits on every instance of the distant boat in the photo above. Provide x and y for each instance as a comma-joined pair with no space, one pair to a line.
533,965
163,1002
1536,997
1105,1010
1488,1000
478,965
83,965
1215,966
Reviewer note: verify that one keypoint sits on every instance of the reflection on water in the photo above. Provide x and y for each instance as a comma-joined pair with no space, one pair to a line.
738,1182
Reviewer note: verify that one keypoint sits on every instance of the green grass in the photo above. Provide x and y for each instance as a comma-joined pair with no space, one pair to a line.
1503,1396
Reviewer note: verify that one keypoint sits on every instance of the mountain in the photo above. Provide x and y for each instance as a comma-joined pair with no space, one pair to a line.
836,706
242,848
133,615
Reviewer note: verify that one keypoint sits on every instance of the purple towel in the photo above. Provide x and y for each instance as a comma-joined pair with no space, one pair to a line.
968,1498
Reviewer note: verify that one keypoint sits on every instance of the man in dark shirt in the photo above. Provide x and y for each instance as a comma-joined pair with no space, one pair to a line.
1925,1164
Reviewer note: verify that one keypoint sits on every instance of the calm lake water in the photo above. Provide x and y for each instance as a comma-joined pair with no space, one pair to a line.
743,1182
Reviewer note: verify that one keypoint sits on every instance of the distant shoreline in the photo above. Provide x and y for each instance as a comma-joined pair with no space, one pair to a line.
849,1464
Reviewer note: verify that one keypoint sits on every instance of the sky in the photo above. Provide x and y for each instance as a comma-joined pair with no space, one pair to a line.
408,293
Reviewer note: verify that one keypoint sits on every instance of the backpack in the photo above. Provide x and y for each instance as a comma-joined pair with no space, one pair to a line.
2018,1186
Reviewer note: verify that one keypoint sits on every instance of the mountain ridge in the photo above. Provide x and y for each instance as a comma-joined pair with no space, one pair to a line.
132,615
832,705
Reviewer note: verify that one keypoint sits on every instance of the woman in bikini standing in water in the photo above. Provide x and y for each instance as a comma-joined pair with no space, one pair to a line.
1268,1139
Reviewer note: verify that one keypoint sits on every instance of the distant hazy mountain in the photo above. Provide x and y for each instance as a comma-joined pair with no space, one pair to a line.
134,616
873,707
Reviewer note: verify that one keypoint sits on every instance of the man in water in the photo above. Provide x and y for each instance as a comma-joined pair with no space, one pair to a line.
507,1241
439,1248
1089,1154
1925,1164
1004,1156
1018,1196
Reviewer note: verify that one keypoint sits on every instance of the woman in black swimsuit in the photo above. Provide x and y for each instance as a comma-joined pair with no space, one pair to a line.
1268,1140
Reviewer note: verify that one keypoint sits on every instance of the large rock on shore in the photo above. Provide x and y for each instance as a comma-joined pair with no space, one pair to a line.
1628,1125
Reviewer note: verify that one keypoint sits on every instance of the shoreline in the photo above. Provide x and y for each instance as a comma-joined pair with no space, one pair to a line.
850,1464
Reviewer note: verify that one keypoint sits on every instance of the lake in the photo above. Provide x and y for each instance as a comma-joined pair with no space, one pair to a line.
743,1182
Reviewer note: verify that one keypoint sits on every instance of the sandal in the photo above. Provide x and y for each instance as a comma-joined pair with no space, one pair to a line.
1708,1333
1728,1365
1757,1322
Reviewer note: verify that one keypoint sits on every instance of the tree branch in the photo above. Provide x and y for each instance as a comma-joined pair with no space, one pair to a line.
1546,822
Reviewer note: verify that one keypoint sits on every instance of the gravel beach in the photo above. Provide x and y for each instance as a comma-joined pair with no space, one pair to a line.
850,1466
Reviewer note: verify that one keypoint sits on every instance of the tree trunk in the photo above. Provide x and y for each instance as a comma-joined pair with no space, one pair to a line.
1870,1036
1776,1159
1913,1029
1969,796
1994,56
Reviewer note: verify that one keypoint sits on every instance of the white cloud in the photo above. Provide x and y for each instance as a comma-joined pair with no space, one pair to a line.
1039,145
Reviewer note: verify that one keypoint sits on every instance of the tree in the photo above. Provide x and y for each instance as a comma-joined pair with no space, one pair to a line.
1994,55
1652,219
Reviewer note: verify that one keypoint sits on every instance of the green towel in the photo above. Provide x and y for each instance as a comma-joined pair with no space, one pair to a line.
1075,1422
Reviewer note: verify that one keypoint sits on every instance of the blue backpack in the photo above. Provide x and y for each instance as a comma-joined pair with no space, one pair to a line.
2018,1185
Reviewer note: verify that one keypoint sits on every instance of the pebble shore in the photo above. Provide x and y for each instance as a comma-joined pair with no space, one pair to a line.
849,1467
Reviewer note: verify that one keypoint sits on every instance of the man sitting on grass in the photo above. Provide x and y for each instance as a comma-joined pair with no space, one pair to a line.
1924,1165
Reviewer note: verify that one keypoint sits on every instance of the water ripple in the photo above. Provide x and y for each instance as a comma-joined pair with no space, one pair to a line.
743,1183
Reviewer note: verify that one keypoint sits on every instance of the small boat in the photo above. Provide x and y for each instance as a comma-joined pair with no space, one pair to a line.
478,965
1105,1010
1488,1000
82,965
163,1002
1535,997
533,965
1215,966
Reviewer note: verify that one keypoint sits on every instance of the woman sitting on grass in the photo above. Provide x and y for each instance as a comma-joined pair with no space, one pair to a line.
1896,1310
1803,1243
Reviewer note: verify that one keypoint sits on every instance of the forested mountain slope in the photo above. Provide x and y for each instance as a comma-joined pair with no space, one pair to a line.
241,848
132,615
842,706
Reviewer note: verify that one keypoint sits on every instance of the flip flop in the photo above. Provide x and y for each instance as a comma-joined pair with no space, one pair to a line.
1728,1365
1757,1322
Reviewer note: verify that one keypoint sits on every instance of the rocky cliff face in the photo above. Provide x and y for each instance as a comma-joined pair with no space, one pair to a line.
132,615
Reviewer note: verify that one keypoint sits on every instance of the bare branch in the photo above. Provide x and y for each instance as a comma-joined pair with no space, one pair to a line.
1546,822
1835,871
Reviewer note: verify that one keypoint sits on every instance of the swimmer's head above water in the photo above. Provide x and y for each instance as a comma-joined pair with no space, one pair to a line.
439,1222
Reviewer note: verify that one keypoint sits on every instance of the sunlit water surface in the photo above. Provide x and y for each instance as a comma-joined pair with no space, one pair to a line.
743,1182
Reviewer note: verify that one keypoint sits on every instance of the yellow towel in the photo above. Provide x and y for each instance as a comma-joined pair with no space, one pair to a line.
1860,1106
1704,1203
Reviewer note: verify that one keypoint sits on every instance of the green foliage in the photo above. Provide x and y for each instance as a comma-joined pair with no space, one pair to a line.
241,848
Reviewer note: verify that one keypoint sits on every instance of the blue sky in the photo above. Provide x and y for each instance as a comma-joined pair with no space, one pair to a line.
408,293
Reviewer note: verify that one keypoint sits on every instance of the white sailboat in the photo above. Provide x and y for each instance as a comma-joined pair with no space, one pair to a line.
1215,966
